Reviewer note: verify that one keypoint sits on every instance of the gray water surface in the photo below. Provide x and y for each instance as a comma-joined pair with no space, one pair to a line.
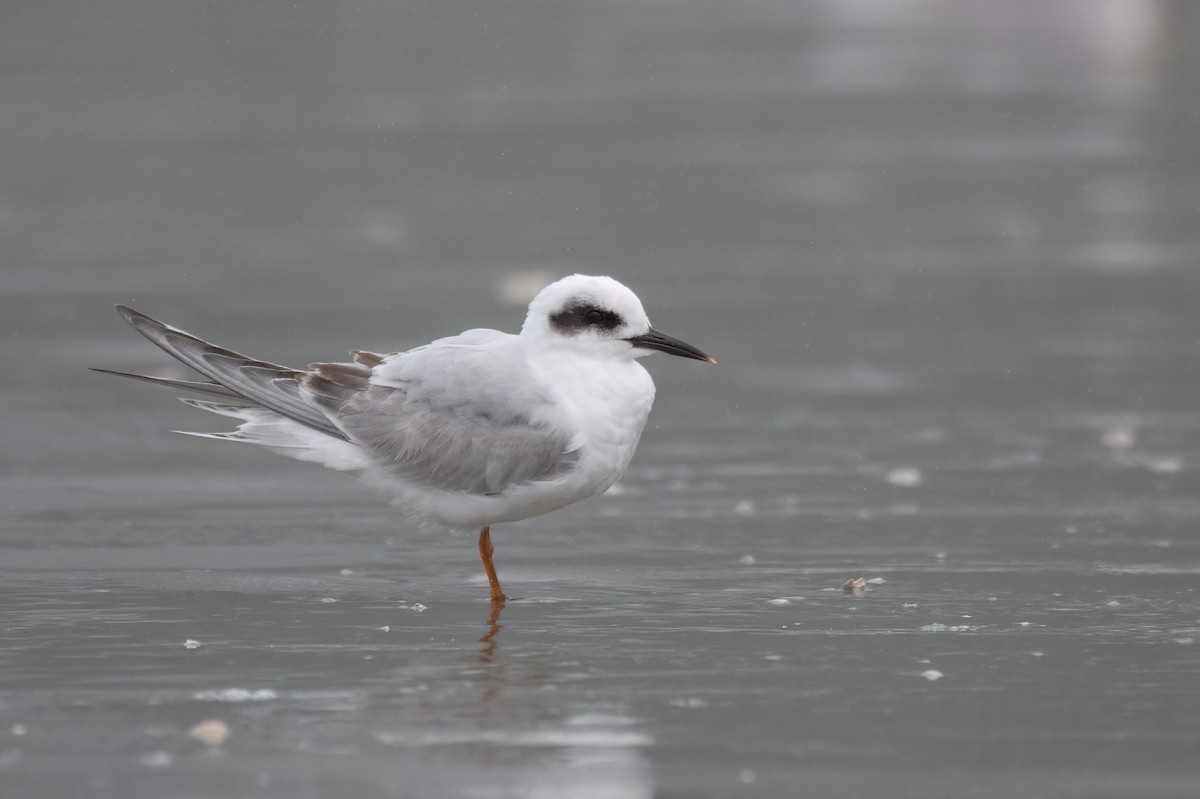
945,254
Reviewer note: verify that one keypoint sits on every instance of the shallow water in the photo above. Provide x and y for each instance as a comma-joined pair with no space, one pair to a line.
944,253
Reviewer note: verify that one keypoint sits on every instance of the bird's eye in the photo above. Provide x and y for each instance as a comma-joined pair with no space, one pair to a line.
585,317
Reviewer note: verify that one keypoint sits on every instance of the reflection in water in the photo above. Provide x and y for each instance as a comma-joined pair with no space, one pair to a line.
493,678
516,726
586,755
489,640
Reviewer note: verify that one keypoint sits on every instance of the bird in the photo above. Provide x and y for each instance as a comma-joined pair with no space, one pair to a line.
466,432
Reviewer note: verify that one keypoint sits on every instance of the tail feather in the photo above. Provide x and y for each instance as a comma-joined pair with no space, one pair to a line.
221,408
274,411
303,444
270,385
203,387
233,436
281,435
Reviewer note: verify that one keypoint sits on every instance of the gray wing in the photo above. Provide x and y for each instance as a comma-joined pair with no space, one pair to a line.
233,375
448,416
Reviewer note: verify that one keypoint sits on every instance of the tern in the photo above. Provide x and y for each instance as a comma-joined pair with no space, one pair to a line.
468,431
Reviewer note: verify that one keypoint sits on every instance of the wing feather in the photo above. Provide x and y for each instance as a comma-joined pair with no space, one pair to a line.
453,415
367,359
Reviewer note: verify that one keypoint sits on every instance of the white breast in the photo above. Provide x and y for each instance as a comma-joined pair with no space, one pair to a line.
602,403
606,403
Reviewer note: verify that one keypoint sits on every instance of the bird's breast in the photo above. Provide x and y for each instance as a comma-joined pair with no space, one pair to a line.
605,405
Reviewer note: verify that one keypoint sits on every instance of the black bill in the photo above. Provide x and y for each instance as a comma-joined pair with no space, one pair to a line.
653,340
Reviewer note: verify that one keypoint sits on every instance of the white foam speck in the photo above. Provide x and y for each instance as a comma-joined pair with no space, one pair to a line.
1114,604
744,508
779,601
747,560
905,478
950,628
1185,640
387,628
419,608
192,643
158,759
1120,437
236,695
690,702
876,581
933,675
1165,464
346,572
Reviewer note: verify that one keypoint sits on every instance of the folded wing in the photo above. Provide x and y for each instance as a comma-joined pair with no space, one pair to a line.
461,414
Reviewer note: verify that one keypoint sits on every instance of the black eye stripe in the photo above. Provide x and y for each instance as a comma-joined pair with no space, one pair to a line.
578,318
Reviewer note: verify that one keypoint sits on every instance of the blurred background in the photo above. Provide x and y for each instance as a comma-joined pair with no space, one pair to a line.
945,253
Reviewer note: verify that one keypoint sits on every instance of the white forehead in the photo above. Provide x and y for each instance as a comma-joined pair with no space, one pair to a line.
598,290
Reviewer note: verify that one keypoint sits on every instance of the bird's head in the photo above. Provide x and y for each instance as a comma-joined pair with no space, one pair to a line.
597,316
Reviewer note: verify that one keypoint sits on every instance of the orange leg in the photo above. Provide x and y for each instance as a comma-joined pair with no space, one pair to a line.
485,553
